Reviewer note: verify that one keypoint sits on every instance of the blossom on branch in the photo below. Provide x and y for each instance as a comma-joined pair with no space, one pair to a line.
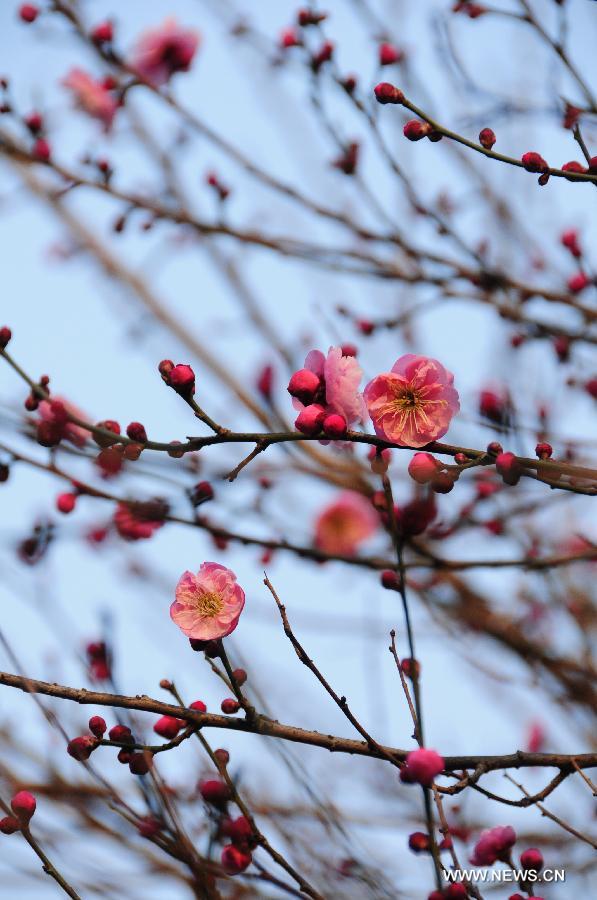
92,96
414,403
161,52
345,524
208,605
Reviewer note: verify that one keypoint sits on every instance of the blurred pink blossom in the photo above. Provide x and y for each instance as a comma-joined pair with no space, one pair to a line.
344,524
162,51
92,96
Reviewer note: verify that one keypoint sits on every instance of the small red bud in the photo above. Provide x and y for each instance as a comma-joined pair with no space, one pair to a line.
107,425
139,763
199,705
81,748
390,54
487,138
390,580
387,93
230,705
97,726
533,162
415,130
235,860
136,432
240,676
168,727
201,493
28,12
65,503
102,33
508,467
182,379
215,792
222,756
121,734
41,150
5,336
419,842
310,419
303,385
9,824
23,806
543,450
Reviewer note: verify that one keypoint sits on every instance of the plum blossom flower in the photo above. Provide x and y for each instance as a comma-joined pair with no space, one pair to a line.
414,403
339,377
92,96
162,51
493,844
208,605
344,524
56,412
422,766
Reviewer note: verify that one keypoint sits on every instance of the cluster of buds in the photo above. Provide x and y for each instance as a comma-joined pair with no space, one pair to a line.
411,519
309,389
81,747
23,805
426,469
139,521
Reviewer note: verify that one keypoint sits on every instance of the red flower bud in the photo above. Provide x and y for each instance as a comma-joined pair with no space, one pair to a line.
235,860
573,166
543,450
199,705
533,162
182,379
289,37
9,824
168,726
415,130
591,387
303,385
215,792
390,580
230,705
578,282
41,150
23,806
81,748
121,734
487,138
334,426
390,54
411,667
102,33
140,763
423,467
28,12
387,93
419,842
531,859
240,832
5,336
265,382
508,467
240,676
97,726
107,425
65,503
202,493
222,756
136,432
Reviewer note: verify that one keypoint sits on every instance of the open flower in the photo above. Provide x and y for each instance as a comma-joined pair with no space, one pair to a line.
414,403
208,605
344,524
338,388
162,51
92,96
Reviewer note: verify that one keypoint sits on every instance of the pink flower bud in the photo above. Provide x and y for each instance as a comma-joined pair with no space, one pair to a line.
578,282
23,806
107,425
230,706
102,33
390,580
265,382
182,379
508,467
543,450
121,734
41,150
168,727
334,426
303,385
423,467
575,167
310,419
487,138
387,93
199,705
423,765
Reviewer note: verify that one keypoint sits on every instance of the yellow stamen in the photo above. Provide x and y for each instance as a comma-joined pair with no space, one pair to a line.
209,605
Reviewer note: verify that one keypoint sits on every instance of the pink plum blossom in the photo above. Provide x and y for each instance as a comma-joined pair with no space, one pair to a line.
162,51
344,524
207,605
340,377
56,411
493,844
414,403
92,96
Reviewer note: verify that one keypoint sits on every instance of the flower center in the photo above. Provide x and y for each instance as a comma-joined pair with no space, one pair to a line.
209,605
